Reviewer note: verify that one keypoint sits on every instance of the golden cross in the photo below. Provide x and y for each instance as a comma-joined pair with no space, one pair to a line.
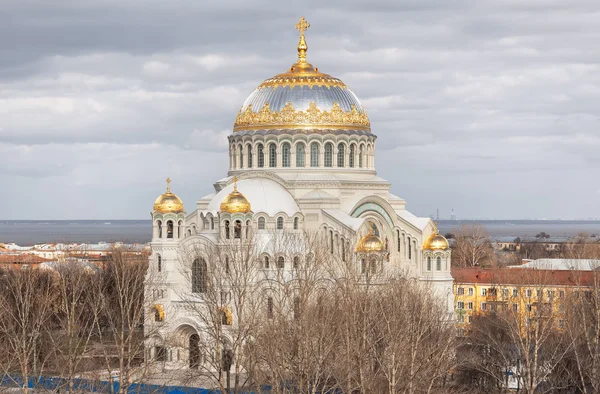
235,179
168,185
302,25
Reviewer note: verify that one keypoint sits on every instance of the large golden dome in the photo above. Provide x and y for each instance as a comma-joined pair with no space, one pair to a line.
302,98
235,201
436,241
370,243
168,202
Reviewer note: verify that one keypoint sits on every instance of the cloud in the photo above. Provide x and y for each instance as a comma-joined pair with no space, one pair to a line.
481,107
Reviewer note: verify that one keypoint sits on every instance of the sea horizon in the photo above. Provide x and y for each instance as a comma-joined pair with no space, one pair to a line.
30,232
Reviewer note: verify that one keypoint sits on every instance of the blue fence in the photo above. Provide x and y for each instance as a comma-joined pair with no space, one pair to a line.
94,386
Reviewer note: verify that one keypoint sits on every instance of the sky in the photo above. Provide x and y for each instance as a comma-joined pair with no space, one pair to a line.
490,108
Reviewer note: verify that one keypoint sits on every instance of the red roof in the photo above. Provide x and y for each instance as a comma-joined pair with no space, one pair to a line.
524,276
22,259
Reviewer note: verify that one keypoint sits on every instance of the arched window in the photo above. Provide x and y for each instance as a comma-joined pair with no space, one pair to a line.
227,229
375,229
280,223
314,154
296,262
296,308
249,155
360,156
199,276
234,154
272,155
280,262
212,223
341,153
409,250
157,315
237,229
428,262
438,264
159,263
261,155
329,154
159,225
296,223
267,264
247,229
285,155
343,250
373,266
194,351
226,264
241,149
331,241
363,266
270,307
351,157
169,229
398,239
300,155
261,223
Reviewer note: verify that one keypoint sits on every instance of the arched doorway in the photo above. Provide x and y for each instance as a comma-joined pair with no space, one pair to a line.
194,349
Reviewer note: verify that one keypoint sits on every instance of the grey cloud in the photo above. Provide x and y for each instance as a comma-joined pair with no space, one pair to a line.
478,106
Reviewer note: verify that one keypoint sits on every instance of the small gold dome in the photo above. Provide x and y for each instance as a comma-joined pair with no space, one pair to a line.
235,201
370,243
436,241
168,202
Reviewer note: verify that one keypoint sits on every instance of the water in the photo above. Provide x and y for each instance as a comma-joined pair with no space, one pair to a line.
29,232
526,228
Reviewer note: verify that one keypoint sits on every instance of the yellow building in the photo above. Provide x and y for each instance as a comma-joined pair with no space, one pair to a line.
526,293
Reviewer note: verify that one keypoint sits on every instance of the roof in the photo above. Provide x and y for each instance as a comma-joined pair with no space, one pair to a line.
318,195
562,264
418,222
551,240
345,219
264,195
22,259
534,277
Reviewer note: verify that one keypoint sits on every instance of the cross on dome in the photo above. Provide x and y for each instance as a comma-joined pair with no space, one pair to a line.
301,26
168,180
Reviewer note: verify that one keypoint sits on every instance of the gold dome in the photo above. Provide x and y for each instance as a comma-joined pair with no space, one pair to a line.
302,98
168,202
235,201
370,243
436,241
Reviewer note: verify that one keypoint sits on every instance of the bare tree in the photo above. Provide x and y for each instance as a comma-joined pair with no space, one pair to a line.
472,247
118,305
520,334
71,339
27,301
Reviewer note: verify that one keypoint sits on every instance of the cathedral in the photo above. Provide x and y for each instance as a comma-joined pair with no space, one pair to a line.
301,158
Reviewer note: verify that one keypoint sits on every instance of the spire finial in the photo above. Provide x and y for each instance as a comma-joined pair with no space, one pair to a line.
301,26
235,179
168,185
371,228
435,227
